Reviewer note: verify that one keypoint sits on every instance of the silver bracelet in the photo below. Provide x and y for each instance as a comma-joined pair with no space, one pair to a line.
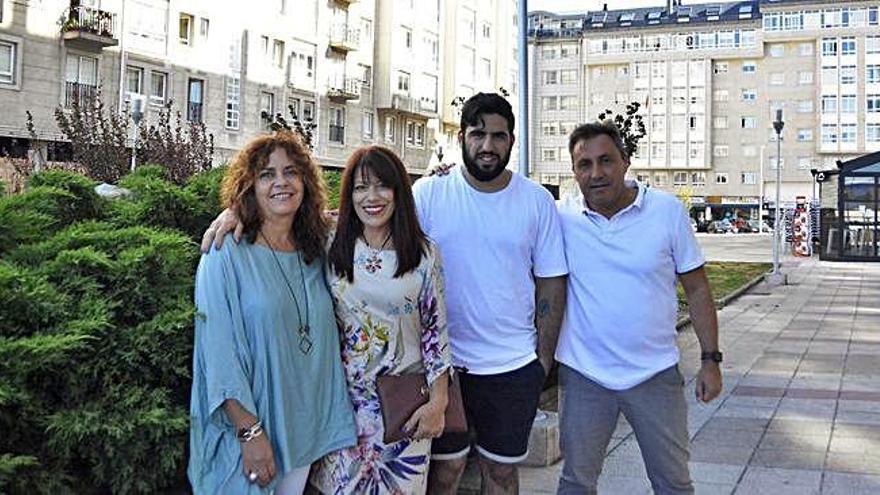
247,434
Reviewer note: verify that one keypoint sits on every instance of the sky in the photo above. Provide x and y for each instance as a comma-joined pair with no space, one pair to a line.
560,6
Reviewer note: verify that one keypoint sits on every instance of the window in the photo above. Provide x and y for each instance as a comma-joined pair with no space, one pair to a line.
568,102
872,103
233,102
748,122
8,62
643,177
872,133
872,74
721,67
185,27
402,82
829,47
366,75
568,76
829,103
486,69
804,162
848,74
698,178
805,49
678,151
407,38
264,46
829,133
487,30
720,95
308,111
721,177
804,134
777,78
278,53
597,98
719,122
872,44
829,75
267,105
622,71
548,154
777,50
658,123
549,103
660,178
204,24
749,67
749,95
134,80
848,46
804,77
679,179
549,128
805,106
195,100
692,122
748,178
720,150
337,125
658,151
848,104
848,133
390,129
81,78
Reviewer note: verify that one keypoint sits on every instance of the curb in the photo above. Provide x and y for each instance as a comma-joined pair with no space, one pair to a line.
724,301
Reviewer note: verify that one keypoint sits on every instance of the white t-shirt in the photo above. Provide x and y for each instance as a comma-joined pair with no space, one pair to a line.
619,326
492,245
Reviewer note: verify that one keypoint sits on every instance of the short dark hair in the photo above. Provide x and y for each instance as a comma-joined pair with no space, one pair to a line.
410,242
485,104
608,128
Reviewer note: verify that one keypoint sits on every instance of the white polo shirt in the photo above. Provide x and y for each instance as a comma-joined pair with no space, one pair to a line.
493,246
619,326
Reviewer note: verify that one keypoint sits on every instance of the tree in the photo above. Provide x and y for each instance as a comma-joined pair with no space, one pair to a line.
183,150
631,125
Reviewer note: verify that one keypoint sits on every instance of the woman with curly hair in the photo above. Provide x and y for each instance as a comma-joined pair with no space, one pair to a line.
269,394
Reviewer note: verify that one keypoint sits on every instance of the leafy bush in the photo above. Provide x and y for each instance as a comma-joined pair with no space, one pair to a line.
96,333
333,181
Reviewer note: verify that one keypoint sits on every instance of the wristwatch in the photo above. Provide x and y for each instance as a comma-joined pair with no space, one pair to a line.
714,356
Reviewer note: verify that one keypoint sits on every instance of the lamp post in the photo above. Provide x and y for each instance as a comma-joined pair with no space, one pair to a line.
761,192
137,114
776,276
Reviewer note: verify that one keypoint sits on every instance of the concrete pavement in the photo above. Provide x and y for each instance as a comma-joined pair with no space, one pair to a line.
800,411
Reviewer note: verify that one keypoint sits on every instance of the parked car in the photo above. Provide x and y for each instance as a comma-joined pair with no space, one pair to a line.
722,226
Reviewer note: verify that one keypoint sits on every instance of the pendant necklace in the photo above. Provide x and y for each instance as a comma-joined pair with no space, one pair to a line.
305,339
374,262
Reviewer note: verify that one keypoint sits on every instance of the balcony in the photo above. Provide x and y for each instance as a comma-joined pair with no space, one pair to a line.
408,104
343,89
194,111
80,94
344,39
87,28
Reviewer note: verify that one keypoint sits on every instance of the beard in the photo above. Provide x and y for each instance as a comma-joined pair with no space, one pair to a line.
481,174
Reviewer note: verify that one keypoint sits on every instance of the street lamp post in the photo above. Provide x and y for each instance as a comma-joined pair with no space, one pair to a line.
776,276
137,113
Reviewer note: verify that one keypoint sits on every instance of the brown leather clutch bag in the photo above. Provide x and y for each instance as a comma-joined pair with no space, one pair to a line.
401,395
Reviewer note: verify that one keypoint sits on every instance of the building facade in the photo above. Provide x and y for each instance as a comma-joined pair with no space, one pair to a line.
362,71
710,79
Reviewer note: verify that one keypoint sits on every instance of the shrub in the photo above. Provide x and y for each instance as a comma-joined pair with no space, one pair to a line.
96,333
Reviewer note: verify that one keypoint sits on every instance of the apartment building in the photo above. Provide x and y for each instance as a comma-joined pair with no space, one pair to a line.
362,71
711,78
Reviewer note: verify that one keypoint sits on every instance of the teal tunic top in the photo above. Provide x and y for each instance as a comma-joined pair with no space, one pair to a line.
247,347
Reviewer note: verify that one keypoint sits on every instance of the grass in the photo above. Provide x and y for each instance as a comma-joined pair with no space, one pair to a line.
726,277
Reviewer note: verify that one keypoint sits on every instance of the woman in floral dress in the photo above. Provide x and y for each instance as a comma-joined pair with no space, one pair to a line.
386,282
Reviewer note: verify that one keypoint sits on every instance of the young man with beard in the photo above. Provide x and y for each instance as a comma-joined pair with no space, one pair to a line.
626,246
505,271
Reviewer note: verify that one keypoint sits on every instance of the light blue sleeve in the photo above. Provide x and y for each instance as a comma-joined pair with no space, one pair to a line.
220,342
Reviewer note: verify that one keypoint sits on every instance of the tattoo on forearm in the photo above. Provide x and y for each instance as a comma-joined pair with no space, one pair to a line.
543,309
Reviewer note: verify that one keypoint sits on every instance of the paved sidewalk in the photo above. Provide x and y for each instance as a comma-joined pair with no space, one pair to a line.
800,412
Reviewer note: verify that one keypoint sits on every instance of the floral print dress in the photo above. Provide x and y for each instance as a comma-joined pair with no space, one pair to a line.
387,325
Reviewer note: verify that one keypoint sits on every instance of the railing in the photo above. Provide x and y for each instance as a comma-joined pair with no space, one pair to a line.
91,20
82,94
555,33
344,87
342,35
194,112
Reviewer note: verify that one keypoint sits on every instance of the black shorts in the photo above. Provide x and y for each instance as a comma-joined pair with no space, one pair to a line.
500,411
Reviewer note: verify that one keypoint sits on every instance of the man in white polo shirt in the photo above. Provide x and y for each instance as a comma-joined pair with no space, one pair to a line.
626,245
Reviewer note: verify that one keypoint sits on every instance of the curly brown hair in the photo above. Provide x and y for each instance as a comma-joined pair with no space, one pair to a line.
310,226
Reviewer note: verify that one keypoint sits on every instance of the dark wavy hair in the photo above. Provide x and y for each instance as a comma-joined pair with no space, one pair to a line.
410,241
310,226
485,104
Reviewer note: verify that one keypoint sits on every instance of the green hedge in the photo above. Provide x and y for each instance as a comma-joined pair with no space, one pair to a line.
96,333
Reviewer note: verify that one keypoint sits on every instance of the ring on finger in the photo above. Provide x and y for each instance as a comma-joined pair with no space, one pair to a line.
252,476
